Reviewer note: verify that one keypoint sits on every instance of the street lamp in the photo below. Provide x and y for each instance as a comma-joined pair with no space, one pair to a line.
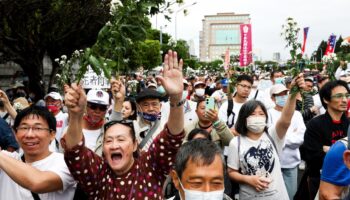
180,9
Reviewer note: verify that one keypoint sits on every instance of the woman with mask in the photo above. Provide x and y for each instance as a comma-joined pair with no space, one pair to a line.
199,91
253,157
119,174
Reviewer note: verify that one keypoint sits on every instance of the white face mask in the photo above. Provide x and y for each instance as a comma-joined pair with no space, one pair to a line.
199,195
200,92
256,124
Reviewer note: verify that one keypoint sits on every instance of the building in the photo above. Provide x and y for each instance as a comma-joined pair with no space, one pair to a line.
276,56
220,32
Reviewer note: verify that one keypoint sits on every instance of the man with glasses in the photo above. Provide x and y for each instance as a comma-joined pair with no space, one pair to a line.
243,88
324,130
94,118
41,174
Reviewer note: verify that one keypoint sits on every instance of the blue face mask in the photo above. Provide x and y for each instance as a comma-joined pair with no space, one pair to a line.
281,100
279,81
149,117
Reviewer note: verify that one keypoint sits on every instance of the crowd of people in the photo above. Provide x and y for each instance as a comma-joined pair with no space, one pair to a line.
177,137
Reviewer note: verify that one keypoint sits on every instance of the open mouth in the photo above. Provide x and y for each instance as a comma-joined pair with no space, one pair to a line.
116,157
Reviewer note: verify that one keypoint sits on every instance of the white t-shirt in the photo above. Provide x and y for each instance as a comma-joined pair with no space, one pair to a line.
91,138
61,124
290,156
54,163
258,156
223,111
189,111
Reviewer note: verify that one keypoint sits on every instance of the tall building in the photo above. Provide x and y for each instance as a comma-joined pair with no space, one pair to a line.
220,32
276,56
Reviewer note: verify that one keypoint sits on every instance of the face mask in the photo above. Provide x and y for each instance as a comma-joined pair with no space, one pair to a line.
53,108
256,124
200,92
281,100
279,81
184,94
199,195
149,117
161,90
94,122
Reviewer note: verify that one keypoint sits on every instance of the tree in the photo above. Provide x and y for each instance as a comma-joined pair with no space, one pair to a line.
29,29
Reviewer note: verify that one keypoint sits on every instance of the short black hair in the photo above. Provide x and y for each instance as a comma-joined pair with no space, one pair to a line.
38,111
245,77
326,90
200,151
246,110
273,72
200,100
198,131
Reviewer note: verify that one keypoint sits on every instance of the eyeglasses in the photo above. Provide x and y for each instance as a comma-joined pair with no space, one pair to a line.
25,129
94,106
123,122
245,86
340,96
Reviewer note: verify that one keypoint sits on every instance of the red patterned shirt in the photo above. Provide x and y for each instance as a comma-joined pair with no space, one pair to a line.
143,181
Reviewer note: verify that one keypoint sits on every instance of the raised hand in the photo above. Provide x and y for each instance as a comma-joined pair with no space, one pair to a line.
172,79
118,90
75,100
4,98
212,115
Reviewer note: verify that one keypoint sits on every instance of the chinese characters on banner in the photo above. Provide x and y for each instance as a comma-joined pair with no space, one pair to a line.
92,80
245,57
227,59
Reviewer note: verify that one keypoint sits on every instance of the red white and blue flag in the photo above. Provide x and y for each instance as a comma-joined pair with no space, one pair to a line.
330,44
306,30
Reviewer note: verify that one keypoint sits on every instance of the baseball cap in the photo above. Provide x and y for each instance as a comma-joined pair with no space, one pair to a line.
185,81
278,88
148,93
54,95
199,83
151,84
98,96
224,82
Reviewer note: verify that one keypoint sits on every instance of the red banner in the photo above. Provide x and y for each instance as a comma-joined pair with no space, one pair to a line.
227,59
245,57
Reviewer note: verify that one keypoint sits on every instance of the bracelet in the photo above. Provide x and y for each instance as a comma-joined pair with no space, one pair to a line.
216,123
180,103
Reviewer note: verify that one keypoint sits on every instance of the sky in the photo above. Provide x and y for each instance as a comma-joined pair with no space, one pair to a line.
324,17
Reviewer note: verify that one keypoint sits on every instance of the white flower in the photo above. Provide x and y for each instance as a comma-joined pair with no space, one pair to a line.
58,75
108,23
57,59
64,57
62,62
76,53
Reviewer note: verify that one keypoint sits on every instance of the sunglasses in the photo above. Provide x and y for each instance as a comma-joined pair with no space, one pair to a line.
94,106
123,122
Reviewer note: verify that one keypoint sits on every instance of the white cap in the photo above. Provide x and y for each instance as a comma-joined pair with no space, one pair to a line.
277,88
199,83
54,95
151,84
98,97
185,81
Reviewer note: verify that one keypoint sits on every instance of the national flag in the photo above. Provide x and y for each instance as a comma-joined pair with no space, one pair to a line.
306,30
331,44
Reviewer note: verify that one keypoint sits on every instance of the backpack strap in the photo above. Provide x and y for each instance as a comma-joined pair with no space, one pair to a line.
35,195
229,112
256,94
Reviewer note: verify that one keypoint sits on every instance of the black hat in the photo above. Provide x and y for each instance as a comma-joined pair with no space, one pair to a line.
148,94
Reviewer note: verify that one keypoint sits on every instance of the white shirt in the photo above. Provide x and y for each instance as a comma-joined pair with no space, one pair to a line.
189,111
61,124
54,163
223,111
290,156
91,138
318,103
258,156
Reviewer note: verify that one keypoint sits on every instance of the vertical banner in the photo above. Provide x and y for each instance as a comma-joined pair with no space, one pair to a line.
227,59
330,44
245,57
306,30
